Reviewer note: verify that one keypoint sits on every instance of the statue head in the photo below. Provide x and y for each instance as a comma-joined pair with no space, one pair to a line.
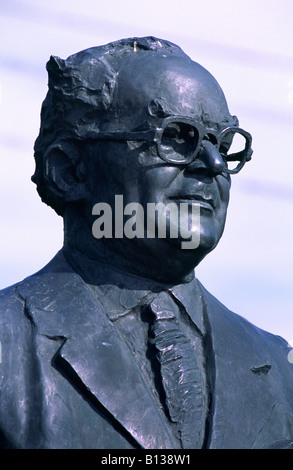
139,119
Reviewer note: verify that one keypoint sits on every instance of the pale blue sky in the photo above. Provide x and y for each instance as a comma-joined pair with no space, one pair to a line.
247,46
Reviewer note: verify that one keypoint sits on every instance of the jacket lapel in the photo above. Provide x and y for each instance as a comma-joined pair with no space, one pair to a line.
62,306
243,391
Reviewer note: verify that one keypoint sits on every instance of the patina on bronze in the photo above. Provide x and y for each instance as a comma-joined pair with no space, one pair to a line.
115,343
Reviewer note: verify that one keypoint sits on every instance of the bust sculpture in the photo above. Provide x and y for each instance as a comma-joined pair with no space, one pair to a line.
115,344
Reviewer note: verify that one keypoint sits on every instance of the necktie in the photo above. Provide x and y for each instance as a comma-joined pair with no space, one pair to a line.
180,374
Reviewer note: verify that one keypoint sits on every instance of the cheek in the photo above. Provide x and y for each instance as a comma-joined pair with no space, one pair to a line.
155,181
224,185
112,173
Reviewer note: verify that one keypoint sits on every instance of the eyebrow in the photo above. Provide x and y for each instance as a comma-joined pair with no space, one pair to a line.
226,122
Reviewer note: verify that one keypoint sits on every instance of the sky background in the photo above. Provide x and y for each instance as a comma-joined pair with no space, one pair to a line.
248,47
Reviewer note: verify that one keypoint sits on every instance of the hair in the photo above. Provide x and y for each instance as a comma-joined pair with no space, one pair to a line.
79,98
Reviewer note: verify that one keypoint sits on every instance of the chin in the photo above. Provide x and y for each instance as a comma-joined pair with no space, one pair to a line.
193,255
209,240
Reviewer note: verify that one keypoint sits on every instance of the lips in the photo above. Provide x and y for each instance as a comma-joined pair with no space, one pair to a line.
206,202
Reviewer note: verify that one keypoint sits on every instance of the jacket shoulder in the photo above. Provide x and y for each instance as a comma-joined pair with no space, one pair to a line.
239,333
219,313
15,326
11,305
18,365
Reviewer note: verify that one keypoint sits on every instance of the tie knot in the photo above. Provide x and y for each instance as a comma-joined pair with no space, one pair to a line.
164,308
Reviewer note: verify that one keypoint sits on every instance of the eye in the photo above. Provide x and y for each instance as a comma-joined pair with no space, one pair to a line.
179,139
224,148
178,132
225,143
211,138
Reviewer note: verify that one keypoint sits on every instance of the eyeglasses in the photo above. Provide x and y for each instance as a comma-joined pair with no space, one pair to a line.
179,140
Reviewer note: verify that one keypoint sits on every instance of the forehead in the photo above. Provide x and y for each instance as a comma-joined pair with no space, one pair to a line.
157,84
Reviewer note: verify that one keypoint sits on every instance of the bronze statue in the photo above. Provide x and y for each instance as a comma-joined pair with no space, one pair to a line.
115,343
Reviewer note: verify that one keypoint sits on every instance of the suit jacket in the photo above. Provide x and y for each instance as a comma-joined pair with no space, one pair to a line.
68,381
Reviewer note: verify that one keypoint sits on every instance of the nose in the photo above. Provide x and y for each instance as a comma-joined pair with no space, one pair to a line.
208,158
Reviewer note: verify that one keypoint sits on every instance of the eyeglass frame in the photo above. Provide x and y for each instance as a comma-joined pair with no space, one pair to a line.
155,135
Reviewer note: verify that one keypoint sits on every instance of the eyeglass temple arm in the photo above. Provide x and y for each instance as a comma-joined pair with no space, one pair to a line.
117,135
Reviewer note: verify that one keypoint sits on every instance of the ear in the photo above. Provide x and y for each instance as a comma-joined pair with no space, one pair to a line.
65,176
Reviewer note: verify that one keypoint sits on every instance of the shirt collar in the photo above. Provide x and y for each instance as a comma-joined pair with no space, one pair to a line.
121,293
119,301
189,295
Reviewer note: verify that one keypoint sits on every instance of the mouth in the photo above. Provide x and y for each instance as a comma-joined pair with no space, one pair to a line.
205,203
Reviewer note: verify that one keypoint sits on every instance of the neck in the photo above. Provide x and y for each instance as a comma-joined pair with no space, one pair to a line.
153,259
89,265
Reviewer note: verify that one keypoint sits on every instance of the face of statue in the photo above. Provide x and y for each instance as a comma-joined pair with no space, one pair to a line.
149,89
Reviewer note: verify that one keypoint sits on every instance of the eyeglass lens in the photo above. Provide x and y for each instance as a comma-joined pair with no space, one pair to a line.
232,147
180,142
